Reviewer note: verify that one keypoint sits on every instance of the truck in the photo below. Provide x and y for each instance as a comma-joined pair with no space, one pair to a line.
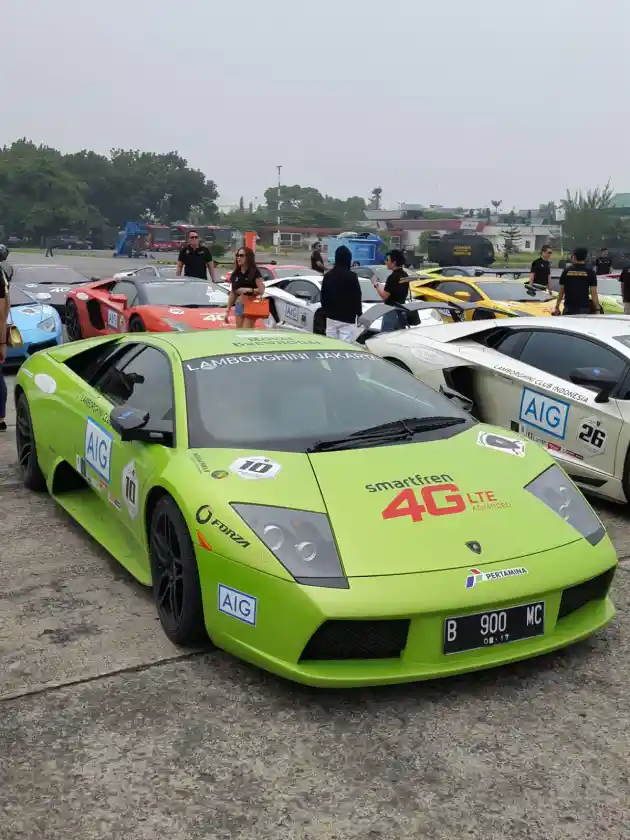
461,249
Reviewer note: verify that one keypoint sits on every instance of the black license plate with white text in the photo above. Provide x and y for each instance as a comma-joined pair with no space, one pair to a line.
495,627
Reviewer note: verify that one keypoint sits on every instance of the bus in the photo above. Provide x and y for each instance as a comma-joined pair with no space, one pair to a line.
158,238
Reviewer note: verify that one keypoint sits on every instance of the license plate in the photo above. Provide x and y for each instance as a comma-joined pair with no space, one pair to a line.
497,627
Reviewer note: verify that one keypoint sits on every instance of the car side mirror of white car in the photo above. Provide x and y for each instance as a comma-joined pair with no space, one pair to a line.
598,379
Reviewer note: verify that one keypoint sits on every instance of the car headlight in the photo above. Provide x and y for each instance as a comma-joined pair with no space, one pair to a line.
178,326
554,489
301,540
48,325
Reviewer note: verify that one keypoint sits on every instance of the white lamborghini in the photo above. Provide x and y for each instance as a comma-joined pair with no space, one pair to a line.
561,382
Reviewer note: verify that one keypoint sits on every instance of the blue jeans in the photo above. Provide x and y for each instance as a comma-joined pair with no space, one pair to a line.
3,395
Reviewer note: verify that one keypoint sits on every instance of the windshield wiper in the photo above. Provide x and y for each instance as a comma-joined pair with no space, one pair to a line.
397,430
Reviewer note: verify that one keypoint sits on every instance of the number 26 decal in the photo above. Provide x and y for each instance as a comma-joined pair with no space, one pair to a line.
592,436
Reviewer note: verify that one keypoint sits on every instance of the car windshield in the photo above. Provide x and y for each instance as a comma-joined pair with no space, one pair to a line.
185,293
19,298
609,286
295,272
50,275
368,292
289,400
513,291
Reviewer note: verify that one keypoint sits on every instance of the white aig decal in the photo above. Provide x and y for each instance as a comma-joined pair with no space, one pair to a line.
112,319
593,436
98,448
254,467
130,488
291,312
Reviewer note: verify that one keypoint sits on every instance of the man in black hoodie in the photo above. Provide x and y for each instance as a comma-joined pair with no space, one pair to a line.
341,297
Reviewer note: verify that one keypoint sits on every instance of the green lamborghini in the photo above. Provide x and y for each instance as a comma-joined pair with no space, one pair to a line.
311,508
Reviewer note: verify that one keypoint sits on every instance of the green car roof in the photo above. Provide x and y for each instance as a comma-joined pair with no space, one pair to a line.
192,345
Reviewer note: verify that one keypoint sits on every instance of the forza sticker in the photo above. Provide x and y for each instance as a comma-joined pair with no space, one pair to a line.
237,605
112,319
440,500
98,448
545,413
201,465
130,488
255,467
476,576
591,434
205,516
510,446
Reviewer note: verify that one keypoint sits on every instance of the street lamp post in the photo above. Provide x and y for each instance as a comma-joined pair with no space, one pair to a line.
279,168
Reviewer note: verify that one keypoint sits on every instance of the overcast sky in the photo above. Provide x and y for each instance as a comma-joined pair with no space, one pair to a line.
452,102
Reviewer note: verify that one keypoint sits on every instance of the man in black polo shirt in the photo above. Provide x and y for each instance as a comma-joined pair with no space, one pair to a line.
195,260
317,261
396,288
540,272
578,287
603,263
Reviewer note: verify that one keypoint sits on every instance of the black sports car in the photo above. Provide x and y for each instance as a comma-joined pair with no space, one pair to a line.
48,283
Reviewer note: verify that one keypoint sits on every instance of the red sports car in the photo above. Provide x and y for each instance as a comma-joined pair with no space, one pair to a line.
152,305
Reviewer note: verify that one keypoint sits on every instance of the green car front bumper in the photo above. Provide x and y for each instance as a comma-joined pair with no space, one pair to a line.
307,634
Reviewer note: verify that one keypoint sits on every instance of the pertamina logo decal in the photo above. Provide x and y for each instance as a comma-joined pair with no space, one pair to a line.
476,576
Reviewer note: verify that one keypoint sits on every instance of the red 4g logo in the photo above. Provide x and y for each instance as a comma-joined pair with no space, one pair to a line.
437,500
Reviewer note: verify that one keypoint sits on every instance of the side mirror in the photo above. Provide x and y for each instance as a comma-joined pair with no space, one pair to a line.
118,299
597,379
132,424
459,399
462,295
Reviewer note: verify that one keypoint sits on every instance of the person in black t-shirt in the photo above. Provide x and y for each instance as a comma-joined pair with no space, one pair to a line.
317,261
624,279
603,263
578,287
341,297
195,259
246,279
396,288
540,272
4,317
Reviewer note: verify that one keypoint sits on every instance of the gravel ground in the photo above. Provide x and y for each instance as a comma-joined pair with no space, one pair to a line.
108,731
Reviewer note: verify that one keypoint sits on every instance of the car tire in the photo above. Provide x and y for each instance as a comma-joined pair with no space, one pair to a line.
398,363
32,475
73,322
137,324
175,576
319,323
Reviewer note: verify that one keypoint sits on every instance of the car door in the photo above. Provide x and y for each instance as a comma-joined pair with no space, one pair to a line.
140,377
116,321
306,295
531,392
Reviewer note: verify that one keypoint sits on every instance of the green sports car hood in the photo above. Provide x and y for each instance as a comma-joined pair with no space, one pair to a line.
404,508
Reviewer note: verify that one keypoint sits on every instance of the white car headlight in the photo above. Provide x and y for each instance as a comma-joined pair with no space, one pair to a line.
554,489
48,325
301,540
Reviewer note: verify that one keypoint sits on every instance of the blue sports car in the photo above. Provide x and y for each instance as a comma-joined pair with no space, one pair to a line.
39,324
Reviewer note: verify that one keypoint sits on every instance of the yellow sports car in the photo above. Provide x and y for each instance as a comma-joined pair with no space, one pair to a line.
506,297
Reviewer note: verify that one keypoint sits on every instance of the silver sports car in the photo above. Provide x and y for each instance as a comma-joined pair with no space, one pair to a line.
563,383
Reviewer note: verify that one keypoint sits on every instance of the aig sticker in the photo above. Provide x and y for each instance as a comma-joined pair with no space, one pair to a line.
98,448
238,605
544,413
255,467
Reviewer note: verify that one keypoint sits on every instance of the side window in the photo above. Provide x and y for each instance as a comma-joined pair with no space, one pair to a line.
561,353
510,343
449,287
124,287
93,359
265,274
302,287
142,379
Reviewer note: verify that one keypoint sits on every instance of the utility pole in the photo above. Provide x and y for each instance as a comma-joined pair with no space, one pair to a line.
279,168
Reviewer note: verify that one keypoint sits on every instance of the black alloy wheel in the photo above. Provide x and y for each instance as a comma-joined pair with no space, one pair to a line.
175,576
32,476
73,322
